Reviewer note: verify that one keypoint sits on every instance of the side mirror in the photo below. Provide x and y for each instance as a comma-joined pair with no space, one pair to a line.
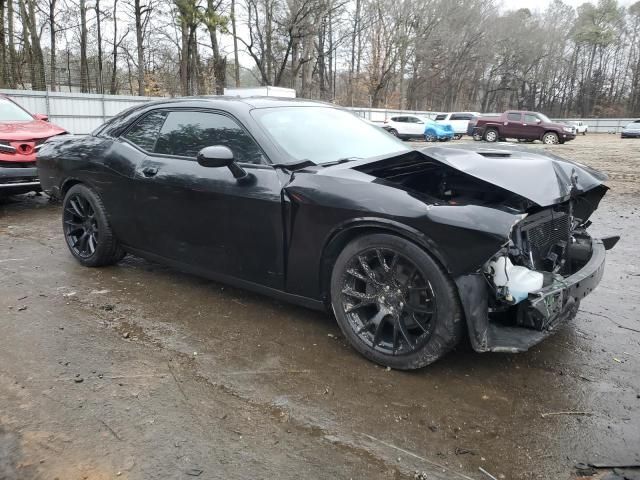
538,120
220,156
41,116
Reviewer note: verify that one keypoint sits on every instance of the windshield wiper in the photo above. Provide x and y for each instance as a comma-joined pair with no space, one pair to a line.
341,160
304,163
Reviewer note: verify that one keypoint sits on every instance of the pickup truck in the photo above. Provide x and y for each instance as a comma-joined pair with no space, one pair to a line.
521,125
580,127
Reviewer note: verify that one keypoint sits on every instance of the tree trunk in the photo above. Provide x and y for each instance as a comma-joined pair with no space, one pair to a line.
139,44
113,87
3,52
38,79
13,67
236,65
52,36
84,67
99,83
219,62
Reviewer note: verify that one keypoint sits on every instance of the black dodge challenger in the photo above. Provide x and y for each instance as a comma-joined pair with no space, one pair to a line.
303,201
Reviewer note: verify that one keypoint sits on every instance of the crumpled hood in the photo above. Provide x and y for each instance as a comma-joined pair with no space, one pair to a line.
33,130
539,176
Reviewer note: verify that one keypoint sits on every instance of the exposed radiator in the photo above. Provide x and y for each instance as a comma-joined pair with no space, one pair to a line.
545,237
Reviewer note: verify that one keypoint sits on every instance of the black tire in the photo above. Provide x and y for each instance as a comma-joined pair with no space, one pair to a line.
434,332
477,136
584,133
457,136
491,135
394,132
87,230
430,137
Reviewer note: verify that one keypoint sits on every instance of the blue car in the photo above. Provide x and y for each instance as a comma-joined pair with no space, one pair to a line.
433,131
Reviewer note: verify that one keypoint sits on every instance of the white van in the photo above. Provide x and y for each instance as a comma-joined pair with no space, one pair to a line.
458,120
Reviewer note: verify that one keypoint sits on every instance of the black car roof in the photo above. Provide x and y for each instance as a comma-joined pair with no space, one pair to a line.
229,101
234,105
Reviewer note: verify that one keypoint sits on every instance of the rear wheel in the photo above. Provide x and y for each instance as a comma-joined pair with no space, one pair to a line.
87,230
430,137
457,136
550,138
491,135
477,136
394,303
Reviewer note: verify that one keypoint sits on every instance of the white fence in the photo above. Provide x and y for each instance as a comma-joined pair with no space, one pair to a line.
80,113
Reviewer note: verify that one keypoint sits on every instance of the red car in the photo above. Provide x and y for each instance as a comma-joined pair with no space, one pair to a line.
21,135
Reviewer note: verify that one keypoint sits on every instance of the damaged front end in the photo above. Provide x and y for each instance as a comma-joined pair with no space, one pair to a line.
536,281
534,209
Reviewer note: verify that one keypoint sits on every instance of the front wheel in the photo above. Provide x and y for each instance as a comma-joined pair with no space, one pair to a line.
430,137
550,138
87,230
394,303
394,132
457,137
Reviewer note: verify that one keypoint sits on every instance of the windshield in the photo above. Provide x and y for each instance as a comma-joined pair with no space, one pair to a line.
10,112
544,118
325,134
633,126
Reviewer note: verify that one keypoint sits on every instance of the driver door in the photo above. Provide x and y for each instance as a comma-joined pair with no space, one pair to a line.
202,216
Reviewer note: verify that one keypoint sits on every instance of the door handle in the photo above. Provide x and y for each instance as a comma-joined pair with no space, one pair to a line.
149,171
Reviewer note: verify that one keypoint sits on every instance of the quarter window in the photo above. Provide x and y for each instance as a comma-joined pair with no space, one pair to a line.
145,132
441,117
185,133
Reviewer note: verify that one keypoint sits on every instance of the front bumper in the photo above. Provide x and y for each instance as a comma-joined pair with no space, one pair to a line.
566,136
14,181
547,308
630,134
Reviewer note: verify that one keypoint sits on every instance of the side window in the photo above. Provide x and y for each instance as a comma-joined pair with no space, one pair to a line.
460,116
395,119
185,133
514,117
144,132
528,118
412,120
441,117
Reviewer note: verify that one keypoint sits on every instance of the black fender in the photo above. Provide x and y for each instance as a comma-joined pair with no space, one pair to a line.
350,229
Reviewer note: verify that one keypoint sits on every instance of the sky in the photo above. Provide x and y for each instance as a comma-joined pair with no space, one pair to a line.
542,4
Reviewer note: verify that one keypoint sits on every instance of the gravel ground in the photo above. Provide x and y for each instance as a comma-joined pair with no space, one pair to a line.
139,371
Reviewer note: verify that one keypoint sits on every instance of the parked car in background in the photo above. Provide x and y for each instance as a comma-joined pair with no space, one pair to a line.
405,126
632,130
458,120
441,132
580,126
523,125
21,136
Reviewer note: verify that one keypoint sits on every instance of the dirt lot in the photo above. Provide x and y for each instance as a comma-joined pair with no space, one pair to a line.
141,372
